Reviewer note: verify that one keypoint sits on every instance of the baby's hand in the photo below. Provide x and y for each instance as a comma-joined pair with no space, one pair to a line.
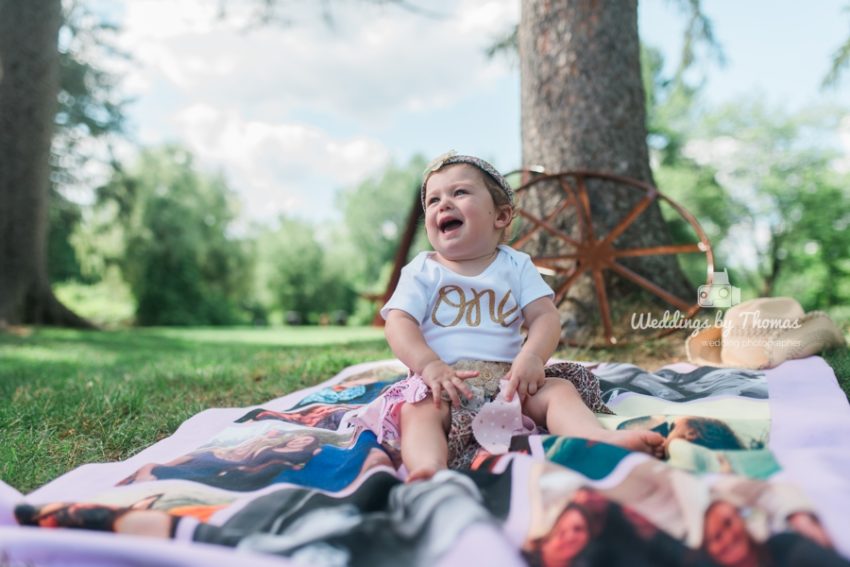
441,377
526,376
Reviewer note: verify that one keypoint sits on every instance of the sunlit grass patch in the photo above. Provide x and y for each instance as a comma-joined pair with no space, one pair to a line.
109,303
282,336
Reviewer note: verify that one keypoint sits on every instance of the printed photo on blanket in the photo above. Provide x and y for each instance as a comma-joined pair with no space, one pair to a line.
669,384
590,458
320,416
578,525
361,388
176,497
711,433
251,456
764,523
758,463
381,522
672,518
282,480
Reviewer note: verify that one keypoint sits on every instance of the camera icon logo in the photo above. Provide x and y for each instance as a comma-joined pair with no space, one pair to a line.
720,293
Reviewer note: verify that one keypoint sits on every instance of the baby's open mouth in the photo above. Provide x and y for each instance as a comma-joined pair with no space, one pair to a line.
450,224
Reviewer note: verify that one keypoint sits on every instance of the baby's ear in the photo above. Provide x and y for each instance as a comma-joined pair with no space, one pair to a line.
504,216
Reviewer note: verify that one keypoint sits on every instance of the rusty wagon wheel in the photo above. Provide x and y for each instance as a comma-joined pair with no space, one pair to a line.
582,250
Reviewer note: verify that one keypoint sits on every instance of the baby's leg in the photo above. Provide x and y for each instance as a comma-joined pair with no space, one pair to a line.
559,408
424,443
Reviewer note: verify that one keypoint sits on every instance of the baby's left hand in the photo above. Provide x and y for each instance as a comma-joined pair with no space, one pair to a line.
525,377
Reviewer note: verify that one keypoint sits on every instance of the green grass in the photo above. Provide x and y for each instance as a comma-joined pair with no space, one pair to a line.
839,359
73,397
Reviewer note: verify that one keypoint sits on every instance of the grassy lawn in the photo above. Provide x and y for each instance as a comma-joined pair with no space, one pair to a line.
73,397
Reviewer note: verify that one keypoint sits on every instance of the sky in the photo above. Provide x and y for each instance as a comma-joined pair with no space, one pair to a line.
292,114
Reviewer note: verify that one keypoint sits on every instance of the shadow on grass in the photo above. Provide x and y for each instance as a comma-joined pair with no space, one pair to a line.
52,350
176,339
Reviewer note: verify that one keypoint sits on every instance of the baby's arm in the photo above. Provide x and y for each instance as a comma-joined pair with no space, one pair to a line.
406,340
526,375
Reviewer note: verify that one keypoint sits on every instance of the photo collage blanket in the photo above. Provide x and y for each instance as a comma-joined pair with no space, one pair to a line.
756,474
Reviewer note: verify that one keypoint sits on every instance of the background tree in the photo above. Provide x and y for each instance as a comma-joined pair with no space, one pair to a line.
89,116
789,237
583,107
673,114
376,214
29,84
840,59
295,274
180,258
51,95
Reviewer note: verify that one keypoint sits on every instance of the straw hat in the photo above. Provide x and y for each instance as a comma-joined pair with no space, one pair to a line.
763,333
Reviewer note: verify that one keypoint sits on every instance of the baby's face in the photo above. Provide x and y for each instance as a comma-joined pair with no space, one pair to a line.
461,219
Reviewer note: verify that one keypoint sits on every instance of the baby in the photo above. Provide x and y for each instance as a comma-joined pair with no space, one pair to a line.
467,300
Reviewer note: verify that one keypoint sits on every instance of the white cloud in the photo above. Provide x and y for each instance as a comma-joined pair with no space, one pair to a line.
486,18
293,113
375,60
278,167
719,151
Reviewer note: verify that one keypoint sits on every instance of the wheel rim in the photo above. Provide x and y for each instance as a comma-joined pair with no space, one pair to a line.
597,254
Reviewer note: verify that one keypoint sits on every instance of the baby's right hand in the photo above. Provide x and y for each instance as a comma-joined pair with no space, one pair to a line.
441,377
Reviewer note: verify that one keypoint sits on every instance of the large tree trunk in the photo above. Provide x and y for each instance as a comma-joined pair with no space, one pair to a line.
583,109
29,83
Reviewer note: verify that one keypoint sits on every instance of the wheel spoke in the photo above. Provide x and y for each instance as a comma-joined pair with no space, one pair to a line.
549,228
580,251
650,286
568,283
585,202
582,210
551,261
627,221
523,240
602,299
659,250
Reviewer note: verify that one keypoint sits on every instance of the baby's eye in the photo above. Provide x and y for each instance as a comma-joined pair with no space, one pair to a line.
431,200
461,191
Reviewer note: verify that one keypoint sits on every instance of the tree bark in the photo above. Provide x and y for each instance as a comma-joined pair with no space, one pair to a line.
583,108
29,83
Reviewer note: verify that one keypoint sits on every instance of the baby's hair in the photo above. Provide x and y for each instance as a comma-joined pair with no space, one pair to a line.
500,199
498,187
490,174
714,434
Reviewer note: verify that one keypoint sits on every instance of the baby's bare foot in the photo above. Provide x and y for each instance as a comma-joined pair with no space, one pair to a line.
650,442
